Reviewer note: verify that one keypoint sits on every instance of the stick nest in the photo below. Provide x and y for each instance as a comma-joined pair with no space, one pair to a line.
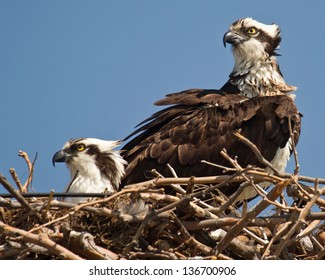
172,218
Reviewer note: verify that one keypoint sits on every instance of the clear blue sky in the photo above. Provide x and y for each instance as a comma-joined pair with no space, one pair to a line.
94,68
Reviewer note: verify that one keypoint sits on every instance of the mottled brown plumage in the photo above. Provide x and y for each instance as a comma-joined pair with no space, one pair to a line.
199,123
196,129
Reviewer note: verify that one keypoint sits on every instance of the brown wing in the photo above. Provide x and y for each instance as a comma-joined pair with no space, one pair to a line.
199,124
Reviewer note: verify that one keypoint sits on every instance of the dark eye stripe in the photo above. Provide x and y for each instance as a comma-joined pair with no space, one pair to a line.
77,147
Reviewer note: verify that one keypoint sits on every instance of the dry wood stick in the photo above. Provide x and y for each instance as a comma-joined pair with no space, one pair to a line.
235,230
307,192
257,176
283,175
19,197
83,243
162,255
30,165
251,183
153,212
275,236
308,230
178,188
103,211
17,250
39,239
235,245
48,203
16,179
321,255
189,239
76,207
301,219
225,168
198,211
256,152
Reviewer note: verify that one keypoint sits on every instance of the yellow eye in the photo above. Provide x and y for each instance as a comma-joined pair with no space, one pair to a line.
81,147
251,30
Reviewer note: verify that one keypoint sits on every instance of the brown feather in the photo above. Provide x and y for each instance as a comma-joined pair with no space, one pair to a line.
200,125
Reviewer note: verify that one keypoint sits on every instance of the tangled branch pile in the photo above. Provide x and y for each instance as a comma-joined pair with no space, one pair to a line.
195,221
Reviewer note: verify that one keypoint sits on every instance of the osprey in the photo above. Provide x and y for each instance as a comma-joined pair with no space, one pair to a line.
199,123
93,164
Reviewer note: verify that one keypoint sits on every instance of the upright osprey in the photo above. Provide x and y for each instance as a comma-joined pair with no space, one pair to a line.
199,123
94,166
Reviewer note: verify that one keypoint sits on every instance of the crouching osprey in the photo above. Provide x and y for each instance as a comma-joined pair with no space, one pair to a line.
94,166
199,123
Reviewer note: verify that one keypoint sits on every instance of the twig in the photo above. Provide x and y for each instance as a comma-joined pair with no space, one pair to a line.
74,178
302,216
235,230
275,236
39,239
311,227
176,187
135,240
169,207
19,197
50,199
76,207
173,202
103,211
16,179
257,153
162,255
190,185
255,237
316,242
307,192
83,243
210,224
231,200
225,168
237,196
257,176
189,239
17,251
321,255
30,165
235,245
172,170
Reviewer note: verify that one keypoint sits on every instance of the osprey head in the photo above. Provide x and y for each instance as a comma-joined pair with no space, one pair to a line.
93,162
249,36
256,71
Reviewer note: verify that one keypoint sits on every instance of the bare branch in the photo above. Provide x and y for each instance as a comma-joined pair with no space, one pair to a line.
30,165
18,196
235,230
299,222
38,239
16,179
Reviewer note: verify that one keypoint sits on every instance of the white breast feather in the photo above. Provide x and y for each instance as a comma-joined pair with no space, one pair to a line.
86,177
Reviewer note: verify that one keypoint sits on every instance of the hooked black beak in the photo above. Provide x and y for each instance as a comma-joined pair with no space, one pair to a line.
60,156
232,38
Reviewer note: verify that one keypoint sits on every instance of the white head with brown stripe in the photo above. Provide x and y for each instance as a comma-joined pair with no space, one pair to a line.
256,71
93,163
